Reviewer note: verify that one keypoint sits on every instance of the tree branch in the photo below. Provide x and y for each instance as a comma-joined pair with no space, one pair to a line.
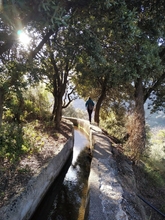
69,98
40,45
157,83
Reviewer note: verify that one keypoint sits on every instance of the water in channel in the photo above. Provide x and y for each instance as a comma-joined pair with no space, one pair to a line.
66,197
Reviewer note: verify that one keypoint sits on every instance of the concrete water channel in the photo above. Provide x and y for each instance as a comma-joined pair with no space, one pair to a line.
105,194
66,198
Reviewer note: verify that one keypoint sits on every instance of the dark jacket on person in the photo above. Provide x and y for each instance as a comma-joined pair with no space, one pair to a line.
89,104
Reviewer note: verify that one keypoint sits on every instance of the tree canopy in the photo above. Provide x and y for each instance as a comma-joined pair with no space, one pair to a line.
102,46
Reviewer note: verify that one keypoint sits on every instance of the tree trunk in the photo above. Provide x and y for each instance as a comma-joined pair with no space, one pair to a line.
59,86
54,110
58,92
99,102
137,131
58,114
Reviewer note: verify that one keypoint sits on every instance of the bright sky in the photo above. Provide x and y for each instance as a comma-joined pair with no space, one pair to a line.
23,37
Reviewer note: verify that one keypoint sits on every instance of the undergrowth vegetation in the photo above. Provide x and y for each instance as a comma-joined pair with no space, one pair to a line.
114,122
11,141
154,155
17,140
24,120
30,105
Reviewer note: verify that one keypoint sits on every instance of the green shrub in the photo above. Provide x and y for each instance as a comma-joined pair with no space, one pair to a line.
28,105
36,104
11,141
154,156
114,122
17,140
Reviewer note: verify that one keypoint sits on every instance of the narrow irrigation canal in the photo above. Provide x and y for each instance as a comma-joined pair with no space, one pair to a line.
65,200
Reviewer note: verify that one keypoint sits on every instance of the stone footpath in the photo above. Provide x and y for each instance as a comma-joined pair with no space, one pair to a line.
107,199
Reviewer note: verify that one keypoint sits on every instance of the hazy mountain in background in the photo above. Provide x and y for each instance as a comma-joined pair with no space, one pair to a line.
79,103
153,120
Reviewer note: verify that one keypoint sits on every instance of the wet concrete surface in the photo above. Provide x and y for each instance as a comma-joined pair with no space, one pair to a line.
66,198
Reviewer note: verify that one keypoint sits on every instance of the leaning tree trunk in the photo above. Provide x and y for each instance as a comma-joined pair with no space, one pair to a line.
58,114
99,102
137,132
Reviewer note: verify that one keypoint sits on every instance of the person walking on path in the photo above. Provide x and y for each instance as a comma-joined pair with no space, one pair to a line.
89,106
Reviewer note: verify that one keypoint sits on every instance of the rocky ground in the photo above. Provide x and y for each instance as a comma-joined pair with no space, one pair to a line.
14,178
